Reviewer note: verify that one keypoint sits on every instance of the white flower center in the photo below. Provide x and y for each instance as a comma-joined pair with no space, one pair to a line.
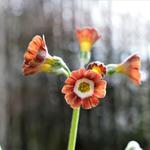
84,88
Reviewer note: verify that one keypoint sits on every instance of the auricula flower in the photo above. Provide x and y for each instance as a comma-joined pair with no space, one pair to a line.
97,67
37,59
84,88
87,36
130,67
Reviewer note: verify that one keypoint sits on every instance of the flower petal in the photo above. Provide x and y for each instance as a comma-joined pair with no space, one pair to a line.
34,46
77,103
70,98
100,89
67,89
91,75
100,93
94,101
29,70
70,81
101,84
86,104
87,33
135,76
78,74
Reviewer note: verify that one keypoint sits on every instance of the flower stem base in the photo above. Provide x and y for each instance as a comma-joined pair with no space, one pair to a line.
73,129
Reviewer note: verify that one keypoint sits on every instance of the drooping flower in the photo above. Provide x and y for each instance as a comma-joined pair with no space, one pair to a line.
37,59
84,88
34,56
130,67
87,36
97,67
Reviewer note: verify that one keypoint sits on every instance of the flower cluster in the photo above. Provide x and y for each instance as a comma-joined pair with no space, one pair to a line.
86,86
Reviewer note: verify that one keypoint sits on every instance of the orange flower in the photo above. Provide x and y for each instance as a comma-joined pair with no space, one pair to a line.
34,56
36,51
131,67
87,36
37,59
84,88
97,67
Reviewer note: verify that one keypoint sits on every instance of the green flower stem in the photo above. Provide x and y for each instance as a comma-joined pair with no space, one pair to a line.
73,129
74,122
111,69
84,58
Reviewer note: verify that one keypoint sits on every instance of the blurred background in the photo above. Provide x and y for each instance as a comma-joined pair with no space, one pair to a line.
33,112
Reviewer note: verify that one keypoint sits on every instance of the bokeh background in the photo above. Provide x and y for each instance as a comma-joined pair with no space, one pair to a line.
33,113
